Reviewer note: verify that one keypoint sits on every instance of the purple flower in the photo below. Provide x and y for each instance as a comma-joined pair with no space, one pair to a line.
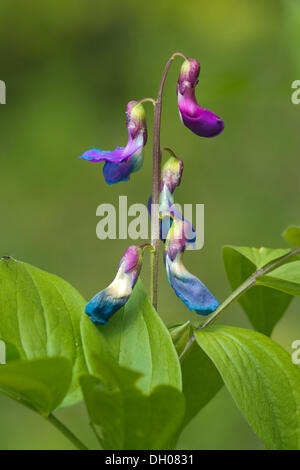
199,120
123,161
104,304
187,287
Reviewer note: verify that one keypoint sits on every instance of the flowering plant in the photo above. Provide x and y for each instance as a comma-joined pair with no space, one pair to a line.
143,382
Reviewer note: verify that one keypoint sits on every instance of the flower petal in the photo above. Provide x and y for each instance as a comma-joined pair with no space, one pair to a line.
189,288
202,121
199,120
108,301
102,306
124,160
116,172
95,155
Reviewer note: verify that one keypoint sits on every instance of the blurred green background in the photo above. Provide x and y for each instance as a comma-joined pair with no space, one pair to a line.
70,68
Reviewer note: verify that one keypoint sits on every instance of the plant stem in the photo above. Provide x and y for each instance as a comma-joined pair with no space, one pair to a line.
156,183
236,294
170,151
66,432
145,100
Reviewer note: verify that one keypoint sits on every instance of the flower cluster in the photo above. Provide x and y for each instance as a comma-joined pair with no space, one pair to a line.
175,232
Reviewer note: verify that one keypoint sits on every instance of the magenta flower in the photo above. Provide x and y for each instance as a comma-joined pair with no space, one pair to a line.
199,120
123,161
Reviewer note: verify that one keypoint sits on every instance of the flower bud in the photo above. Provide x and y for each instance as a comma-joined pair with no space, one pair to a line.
172,173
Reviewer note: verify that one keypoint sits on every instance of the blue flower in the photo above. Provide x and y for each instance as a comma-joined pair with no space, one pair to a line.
187,287
123,161
104,304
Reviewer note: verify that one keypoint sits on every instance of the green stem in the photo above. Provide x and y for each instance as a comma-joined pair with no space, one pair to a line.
66,432
156,182
146,100
236,294
180,54
170,151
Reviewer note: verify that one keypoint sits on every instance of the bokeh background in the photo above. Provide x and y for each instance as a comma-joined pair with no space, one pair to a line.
70,68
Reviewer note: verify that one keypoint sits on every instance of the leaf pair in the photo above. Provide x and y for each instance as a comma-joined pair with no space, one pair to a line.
128,418
39,384
266,302
43,324
262,380
257,372
136,338
133,392
40,318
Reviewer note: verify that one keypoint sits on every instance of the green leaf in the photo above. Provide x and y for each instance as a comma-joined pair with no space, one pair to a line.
200,381
136,338
262,380
40,317
40,384
200,378
292,235
180,334
128,418
259,257
285,278
264,307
